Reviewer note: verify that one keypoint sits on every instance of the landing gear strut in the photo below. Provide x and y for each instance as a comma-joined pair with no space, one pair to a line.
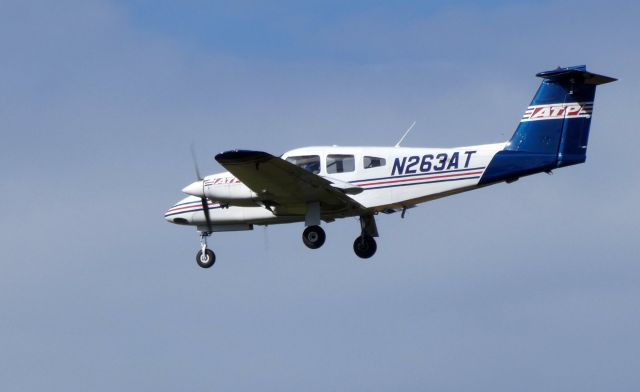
365,246
205,257
313,237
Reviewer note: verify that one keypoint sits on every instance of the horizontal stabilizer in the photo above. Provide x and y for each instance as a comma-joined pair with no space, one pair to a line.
577,73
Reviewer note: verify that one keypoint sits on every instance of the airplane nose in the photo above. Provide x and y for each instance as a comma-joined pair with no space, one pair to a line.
194,189
175,215
181,213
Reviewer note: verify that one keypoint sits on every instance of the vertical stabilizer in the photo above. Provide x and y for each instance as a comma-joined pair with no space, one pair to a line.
554,130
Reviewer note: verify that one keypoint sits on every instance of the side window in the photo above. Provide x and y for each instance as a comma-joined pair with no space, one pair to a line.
310,163
370,162
340,163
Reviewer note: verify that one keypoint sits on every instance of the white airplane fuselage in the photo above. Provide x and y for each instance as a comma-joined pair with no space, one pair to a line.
383,179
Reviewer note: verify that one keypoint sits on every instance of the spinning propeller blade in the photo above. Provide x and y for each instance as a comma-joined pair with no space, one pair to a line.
195,162
203,199
205,208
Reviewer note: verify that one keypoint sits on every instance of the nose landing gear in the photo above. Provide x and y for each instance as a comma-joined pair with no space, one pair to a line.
205,257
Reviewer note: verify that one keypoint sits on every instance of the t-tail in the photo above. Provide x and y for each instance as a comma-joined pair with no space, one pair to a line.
554,130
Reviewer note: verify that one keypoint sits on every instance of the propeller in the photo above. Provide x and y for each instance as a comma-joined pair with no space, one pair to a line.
203,198
195,162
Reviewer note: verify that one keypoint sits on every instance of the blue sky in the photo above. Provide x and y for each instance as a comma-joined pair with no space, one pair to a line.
528,286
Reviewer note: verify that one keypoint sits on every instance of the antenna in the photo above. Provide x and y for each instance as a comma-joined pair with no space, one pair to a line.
405,134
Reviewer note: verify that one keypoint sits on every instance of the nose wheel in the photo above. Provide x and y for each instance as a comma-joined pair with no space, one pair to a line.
205,257
313,237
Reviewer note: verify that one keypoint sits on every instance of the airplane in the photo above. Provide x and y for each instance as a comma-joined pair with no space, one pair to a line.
322,184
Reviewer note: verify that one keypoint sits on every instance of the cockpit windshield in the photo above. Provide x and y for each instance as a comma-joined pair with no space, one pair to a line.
310,163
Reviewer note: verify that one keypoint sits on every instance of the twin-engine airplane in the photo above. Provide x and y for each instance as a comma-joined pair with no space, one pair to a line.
315,184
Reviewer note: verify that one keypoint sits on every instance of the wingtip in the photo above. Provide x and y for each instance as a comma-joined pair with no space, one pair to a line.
237,156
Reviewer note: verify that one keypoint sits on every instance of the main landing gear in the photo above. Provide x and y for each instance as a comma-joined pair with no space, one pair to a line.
364,246
313,237
205,257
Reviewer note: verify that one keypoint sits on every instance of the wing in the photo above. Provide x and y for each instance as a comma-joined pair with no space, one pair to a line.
287,186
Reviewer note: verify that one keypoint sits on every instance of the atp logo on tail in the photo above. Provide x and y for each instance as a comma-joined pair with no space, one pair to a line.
557,111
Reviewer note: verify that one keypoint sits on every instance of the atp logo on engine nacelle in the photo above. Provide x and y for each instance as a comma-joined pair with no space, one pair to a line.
430,162
221,181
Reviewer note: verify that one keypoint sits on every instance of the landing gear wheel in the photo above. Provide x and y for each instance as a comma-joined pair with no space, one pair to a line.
313,237
365,246
206,259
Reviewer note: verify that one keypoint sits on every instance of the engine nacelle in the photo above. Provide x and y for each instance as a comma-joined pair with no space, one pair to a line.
229,190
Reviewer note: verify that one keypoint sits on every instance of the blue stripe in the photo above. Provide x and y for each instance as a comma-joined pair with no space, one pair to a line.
423,182
419,174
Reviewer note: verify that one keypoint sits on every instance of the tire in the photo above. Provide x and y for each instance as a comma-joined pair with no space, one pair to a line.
313,237
207,260
365,246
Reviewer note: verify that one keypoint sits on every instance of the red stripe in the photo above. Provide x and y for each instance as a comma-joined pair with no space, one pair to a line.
191,206
182,212
420,178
